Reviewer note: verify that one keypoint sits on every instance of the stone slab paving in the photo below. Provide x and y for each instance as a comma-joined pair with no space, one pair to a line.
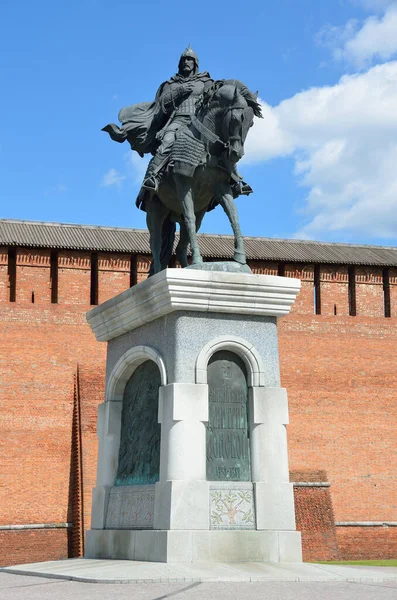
125,571
24,587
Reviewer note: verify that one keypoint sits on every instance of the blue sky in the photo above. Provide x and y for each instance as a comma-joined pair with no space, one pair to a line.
323,161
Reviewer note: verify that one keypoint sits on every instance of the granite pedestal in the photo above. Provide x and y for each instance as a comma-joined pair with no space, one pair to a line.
181,320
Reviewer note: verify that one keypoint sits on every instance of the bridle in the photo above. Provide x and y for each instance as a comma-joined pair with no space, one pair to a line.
213,138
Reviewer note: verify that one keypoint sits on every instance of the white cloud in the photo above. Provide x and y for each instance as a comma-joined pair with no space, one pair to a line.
343,139
376,40
267,138
112,177
362,44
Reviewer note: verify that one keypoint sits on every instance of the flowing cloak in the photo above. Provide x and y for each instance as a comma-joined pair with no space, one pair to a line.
141,122
139,125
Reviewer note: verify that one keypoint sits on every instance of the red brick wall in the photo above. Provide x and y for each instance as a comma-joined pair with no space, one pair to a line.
369,292
92,393
143,266
74,279
33,276
4,285
393,291
113,275
315,520
304,303
339,371
360,543
42,344
341,380
334,291
32,545
264,268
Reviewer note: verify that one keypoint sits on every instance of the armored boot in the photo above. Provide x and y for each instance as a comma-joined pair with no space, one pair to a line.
240,187
152,177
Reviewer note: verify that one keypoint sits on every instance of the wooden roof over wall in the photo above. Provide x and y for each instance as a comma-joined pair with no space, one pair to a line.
37,234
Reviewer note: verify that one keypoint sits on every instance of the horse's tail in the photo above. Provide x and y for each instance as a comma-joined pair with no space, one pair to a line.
167,244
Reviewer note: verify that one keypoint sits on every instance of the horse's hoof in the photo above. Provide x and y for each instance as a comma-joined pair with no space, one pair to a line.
240,258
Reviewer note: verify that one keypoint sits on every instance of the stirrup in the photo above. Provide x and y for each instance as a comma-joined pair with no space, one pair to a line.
151,184
246,189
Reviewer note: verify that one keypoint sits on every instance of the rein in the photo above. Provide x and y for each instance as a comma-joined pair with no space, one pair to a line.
207,133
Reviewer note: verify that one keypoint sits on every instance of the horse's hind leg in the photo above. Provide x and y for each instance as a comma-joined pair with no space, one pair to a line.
226,200
185,197
167,245
181,249
156,213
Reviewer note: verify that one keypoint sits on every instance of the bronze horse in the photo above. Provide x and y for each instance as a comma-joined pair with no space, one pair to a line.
223,119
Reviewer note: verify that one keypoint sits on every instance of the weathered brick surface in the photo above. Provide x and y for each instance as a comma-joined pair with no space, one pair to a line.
4,285
33,276
264,268
334,291
92,393
74,279
315,520
41,348
304,303
393,291
33,545
113,275
339,371
369,290
341,382
360,543
143,266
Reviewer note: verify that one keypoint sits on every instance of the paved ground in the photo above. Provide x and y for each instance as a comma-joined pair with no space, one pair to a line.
129,571
23,587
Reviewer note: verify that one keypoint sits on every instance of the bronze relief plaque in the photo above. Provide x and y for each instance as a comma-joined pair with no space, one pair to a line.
139,455
228,449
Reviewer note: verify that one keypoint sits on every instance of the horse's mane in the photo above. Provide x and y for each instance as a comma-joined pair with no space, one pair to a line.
207,98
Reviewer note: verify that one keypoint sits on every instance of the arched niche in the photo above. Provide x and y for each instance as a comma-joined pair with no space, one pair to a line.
228,444
246,351
126,366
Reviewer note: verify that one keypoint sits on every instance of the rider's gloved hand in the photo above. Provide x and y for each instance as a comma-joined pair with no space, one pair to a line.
188,87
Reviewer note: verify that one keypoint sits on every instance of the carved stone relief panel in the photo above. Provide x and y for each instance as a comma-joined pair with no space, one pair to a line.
131,507
232,506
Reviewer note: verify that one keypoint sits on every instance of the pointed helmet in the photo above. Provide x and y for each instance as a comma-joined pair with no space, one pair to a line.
191,54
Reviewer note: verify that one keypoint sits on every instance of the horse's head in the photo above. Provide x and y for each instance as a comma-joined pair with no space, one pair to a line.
230,107
236,119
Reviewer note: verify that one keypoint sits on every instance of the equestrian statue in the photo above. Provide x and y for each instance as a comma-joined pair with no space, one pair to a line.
195,129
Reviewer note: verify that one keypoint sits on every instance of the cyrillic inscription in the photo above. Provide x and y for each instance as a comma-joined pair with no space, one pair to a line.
228,451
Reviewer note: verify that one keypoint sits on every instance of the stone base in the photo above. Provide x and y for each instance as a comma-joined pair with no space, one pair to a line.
225,266
190,546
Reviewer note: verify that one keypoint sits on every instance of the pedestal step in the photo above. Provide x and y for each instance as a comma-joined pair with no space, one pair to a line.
193,546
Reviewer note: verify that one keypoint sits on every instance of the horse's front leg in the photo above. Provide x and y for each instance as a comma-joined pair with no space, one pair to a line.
181,249
185,197
226,200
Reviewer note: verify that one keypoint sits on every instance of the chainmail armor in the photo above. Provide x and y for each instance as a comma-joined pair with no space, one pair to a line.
187,153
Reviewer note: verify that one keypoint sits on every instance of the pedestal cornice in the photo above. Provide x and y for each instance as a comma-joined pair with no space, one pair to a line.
192,290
